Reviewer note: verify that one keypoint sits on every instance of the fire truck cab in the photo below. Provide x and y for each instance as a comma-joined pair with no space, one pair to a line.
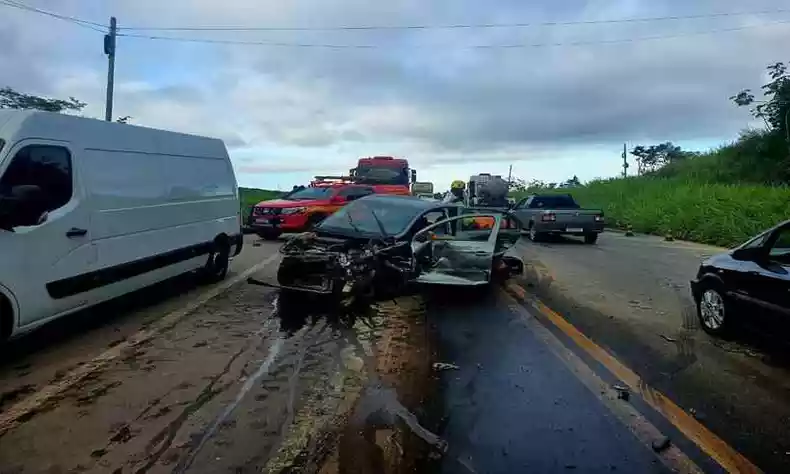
387,174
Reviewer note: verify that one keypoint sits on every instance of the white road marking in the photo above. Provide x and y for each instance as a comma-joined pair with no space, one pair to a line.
23,409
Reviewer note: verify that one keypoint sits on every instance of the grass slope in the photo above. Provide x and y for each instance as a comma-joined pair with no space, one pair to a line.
718,214
722,197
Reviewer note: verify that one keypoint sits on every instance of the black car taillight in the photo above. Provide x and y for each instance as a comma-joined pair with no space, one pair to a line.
548,217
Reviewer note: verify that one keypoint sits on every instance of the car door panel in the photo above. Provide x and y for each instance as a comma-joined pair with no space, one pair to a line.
457,258
763,286
54,252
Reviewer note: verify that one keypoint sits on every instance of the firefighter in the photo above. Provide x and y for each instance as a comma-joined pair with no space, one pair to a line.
456,193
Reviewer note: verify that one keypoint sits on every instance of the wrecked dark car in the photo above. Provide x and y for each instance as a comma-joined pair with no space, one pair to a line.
382,243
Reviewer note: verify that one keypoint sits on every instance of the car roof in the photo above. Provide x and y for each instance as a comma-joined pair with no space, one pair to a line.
406,201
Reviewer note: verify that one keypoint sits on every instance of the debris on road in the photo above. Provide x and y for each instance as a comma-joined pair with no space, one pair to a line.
697,415
661,444
439,366
622,392
668,339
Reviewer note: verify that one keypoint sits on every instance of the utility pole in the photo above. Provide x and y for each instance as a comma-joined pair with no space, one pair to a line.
625,162
109,50
509,174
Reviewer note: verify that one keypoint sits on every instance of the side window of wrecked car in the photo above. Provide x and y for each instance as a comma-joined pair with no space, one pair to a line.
434,217
427,220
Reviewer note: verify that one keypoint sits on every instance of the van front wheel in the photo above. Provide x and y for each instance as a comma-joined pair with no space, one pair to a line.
216,268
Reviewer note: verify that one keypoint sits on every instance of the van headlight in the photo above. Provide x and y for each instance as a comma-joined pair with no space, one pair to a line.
292,210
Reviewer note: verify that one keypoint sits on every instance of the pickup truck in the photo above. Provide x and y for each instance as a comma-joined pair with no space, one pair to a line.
542,215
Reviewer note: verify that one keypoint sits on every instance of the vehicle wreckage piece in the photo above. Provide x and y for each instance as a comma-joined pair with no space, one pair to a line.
339,267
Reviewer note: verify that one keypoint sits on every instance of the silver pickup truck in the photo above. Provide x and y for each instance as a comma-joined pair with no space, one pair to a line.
555,214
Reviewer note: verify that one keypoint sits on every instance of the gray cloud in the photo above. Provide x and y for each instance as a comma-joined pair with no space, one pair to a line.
425,89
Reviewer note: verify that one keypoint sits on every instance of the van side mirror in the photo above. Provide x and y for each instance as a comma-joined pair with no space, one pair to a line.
24,205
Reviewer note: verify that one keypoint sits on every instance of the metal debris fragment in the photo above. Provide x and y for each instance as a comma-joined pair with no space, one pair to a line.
668,339
438,366
661,444
622,392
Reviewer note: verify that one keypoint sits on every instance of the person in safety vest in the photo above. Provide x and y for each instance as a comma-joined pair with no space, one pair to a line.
456,193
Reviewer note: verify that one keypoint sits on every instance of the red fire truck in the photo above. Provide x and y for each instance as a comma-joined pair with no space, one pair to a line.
388,175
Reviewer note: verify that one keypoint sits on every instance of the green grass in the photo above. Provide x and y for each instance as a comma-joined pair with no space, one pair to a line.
718,214
722,197
252,196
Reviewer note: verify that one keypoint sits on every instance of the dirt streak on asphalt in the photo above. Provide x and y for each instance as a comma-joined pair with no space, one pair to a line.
630,295
245,383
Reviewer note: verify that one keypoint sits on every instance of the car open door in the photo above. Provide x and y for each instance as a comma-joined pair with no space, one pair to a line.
455,251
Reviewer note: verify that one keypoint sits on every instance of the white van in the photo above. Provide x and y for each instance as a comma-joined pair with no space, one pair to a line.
91,210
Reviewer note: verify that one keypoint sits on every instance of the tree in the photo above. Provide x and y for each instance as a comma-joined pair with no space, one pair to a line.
11,99
571,183
517,185
775,108
655,156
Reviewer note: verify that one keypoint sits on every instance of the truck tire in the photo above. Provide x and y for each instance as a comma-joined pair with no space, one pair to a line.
6,319
591,238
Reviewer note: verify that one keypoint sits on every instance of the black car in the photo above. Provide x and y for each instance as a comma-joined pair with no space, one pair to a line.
749,284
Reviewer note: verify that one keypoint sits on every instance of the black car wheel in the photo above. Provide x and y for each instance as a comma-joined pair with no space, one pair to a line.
590,238
713,310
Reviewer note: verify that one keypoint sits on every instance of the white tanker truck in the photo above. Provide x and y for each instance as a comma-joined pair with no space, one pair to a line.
486,190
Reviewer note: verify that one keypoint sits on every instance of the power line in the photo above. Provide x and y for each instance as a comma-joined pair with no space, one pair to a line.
455,26
491,46
77,21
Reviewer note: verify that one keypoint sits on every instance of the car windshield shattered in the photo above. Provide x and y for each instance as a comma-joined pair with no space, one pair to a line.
370,218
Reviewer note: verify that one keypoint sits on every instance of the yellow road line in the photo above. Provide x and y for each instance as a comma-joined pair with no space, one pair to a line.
715,447
14,416
675,459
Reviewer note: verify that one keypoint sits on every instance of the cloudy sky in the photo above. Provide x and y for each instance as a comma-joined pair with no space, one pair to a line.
554,99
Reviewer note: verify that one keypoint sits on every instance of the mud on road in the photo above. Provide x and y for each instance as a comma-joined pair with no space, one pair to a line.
243,383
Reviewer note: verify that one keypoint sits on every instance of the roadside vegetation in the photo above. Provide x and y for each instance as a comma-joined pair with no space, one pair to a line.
252,196
720,197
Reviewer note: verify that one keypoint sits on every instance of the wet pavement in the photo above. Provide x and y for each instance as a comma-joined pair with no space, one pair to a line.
514,406
244,380
630,295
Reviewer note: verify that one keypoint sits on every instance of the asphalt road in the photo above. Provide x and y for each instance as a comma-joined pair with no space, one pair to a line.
228,378
224,378
630,295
